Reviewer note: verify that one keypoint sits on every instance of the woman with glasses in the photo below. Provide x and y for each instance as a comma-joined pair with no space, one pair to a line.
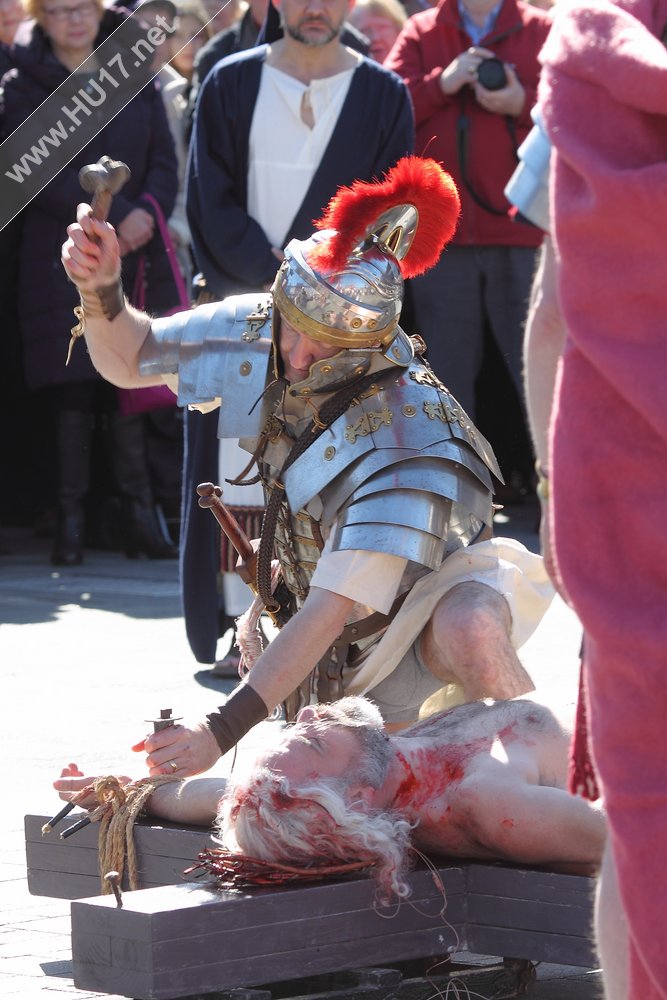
61,41
11,15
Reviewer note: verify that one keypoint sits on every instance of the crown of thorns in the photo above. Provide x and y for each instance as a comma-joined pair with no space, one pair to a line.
233,870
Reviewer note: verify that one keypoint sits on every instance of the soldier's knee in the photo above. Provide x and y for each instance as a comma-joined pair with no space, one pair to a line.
470,644
473,614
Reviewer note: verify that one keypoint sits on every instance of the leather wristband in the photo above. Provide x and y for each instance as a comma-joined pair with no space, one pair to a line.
243,709
107,301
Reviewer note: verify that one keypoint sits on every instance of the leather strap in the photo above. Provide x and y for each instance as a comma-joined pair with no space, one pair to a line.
243,709
371,624
326,679
328,413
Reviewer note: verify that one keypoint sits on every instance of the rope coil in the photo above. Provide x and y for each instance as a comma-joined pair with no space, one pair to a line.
118,809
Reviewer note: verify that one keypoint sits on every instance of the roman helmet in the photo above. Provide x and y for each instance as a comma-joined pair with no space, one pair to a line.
343,286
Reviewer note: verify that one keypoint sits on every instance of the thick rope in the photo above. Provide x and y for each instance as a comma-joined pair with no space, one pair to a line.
249,636
117,812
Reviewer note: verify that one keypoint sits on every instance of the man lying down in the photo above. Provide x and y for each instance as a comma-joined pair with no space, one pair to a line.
480,781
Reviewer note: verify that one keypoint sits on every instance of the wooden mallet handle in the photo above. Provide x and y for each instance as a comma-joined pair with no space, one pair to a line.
210,497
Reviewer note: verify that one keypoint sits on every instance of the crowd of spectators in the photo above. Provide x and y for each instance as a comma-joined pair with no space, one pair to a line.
69,411
239,146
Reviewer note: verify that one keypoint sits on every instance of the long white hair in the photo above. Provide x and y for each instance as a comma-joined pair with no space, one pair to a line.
264,816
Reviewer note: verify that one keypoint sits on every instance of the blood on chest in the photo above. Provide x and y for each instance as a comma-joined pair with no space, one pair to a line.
434,770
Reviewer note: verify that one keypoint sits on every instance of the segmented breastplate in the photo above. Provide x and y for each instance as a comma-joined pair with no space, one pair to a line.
298,544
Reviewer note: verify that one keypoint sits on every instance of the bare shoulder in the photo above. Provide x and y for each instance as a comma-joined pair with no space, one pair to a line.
549,712
489,718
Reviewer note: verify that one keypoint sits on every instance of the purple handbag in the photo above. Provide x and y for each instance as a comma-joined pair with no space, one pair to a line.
154,397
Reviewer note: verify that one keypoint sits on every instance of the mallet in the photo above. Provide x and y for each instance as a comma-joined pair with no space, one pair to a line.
103,180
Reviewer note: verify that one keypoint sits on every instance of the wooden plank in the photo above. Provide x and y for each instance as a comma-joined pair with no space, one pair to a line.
537,915
68,885
172,912
161,984
176,939
165,839
66,858
351,932
69,869
59,886
327,959
528,883
528,914
264,907
559,949
86,837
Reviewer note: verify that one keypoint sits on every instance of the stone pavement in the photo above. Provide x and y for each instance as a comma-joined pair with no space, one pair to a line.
87,654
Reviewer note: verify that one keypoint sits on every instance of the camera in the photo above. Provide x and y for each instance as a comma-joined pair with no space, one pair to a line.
491,74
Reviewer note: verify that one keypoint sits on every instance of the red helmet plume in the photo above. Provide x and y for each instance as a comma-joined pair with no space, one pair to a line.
355,211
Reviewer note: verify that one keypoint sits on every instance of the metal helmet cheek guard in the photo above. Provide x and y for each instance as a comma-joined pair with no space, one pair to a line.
343,286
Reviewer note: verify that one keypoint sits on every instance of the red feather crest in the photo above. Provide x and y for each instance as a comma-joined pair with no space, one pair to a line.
353,211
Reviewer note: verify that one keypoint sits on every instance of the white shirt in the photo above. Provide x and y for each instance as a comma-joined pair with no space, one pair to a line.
284,152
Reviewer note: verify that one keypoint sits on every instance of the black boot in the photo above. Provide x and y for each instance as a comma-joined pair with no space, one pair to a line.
144,530
73,449
146,533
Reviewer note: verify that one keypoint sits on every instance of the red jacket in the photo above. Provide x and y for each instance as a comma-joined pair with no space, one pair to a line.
427,44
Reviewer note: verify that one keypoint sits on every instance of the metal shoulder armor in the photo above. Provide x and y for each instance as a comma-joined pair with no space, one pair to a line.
404,471
220,352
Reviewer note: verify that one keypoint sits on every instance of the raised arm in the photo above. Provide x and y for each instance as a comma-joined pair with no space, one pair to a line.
114,331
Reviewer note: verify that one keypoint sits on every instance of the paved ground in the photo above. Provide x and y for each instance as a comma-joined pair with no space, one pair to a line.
87,654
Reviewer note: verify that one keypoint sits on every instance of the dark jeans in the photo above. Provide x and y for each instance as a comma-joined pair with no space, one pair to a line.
472,290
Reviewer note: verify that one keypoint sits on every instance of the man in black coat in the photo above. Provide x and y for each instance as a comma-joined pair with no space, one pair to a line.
257,25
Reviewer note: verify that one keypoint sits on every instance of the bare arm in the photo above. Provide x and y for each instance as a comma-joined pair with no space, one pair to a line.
91,258
536,824
543,346
300,645
194,800
280,669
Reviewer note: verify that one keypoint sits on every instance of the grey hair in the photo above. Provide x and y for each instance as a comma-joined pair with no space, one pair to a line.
365,719
266,818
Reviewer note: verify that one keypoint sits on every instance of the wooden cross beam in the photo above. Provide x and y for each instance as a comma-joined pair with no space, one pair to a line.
179,939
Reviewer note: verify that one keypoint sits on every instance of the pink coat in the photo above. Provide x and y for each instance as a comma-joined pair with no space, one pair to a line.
604,101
